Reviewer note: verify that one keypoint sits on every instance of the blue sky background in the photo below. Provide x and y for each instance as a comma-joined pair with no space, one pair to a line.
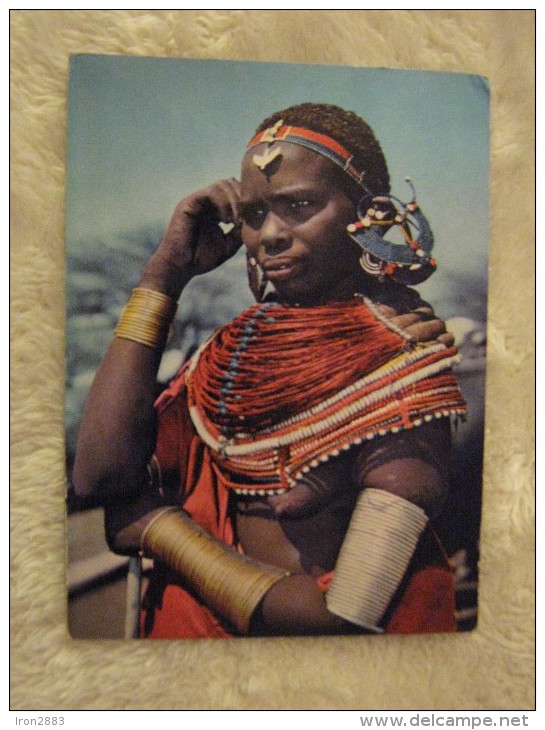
144,132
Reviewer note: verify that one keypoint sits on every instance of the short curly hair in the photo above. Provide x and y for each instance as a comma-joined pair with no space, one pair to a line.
345,127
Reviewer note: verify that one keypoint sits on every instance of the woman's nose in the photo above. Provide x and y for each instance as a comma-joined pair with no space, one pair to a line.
275,235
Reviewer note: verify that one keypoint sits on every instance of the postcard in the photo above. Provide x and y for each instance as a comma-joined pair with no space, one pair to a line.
276,347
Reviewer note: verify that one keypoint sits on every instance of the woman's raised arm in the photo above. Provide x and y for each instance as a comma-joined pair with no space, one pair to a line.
117,433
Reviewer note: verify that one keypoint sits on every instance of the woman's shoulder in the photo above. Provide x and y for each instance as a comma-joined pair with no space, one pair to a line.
403,299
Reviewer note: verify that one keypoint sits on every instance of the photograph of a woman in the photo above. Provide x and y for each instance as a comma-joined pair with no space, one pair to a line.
311,463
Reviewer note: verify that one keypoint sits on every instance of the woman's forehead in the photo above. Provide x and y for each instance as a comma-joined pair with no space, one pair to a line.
282,163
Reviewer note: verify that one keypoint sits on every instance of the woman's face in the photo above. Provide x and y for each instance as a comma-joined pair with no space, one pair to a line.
294,216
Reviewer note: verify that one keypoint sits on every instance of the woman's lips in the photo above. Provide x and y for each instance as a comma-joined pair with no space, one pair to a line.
280,269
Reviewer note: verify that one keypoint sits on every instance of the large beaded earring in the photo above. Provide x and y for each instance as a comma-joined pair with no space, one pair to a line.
372,266
409,262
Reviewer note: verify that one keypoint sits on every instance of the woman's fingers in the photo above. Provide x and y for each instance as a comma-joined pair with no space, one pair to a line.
194,239
426,331
421,325
226,197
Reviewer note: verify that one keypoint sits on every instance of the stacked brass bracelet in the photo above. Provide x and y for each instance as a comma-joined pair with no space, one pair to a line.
232,585
147,318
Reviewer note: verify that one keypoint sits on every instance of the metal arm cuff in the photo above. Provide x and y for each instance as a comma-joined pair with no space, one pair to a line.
232,585
379,543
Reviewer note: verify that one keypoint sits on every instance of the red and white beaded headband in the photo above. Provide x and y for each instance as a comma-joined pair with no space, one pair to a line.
315,141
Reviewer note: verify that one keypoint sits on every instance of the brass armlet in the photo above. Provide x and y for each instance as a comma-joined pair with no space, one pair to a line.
147,318
232,585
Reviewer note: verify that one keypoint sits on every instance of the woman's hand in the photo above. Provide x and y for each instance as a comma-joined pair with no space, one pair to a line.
421,324
194,242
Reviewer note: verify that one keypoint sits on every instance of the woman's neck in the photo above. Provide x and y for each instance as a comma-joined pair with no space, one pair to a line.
359,283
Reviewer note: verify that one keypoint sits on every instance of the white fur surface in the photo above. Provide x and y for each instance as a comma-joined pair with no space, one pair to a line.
490,668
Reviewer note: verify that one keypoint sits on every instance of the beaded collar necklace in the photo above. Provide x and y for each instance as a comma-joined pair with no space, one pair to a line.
281,389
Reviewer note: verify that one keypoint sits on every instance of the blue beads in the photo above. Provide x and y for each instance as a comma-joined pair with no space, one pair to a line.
263,309
247,333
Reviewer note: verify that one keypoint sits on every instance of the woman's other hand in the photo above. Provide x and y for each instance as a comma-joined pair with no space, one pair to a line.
421,324
203,233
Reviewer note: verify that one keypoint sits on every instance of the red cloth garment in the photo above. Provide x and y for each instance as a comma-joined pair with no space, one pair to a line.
171,612
427,605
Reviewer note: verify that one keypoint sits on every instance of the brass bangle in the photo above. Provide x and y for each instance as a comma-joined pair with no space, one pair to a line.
232,585
147,318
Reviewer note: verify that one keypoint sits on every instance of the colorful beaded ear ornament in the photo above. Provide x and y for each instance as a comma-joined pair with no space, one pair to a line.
409,262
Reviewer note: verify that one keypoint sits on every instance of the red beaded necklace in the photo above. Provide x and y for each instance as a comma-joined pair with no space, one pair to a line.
275,361
280,388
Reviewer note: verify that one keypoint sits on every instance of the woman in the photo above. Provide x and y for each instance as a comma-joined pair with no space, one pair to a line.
308,441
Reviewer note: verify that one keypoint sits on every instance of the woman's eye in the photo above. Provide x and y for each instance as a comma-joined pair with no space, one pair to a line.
253,215
301,210
300,203
296,211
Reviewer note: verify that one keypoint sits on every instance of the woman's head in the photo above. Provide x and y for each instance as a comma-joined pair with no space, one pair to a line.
294,226
302,177
334,155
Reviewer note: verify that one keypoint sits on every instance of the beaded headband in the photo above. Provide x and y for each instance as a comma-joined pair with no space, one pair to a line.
315,141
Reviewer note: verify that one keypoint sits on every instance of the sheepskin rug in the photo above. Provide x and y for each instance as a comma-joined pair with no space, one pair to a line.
490,668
